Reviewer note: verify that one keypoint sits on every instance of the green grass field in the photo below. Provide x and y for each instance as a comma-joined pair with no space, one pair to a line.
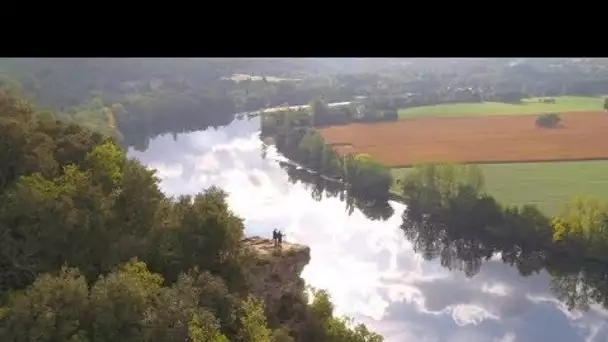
547,185
528,106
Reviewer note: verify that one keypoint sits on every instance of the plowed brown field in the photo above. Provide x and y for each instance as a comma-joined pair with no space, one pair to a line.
582,136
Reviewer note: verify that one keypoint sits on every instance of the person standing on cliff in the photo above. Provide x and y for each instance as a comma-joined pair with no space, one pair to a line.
275,237
280,239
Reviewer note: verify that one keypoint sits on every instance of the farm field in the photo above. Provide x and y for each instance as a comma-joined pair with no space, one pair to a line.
547,185
489,139
528,106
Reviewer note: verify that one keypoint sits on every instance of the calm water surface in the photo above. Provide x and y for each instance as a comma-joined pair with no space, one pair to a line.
368,267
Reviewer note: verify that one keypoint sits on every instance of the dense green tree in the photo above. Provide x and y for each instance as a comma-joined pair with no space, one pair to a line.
432,187
129,304
367,176
327,328
253,322
120,300
281,335
204,328
319,111
54,309
583,225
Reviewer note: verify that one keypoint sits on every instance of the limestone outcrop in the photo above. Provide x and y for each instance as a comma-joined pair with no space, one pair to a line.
276,273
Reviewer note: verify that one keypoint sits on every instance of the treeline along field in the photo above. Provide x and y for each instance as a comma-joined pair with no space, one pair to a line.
444,195
296,136
581,136
449,218
545,185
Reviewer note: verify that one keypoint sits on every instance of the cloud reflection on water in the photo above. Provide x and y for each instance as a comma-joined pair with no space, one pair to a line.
368,266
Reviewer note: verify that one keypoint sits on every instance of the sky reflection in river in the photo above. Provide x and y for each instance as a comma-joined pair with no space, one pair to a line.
368,266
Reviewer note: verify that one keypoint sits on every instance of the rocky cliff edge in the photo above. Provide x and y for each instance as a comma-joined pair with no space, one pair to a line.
276,272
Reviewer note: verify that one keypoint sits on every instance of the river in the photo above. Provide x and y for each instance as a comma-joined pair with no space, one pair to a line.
369,267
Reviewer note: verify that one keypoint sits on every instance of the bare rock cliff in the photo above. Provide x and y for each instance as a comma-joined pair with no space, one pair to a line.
276,273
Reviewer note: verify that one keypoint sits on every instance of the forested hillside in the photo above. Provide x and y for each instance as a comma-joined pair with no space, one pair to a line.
137,98
92,250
